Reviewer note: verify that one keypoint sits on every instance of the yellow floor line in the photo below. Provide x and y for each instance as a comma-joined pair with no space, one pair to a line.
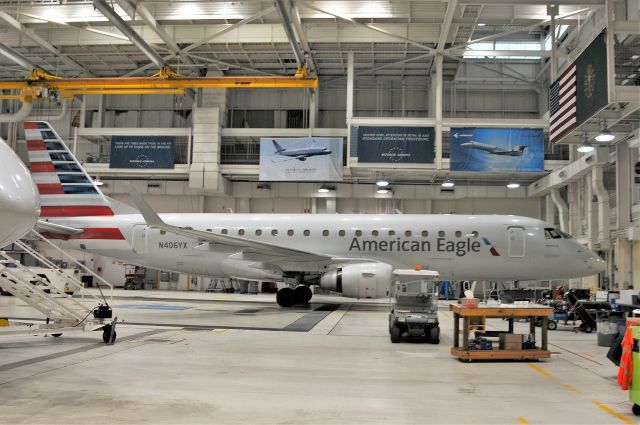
539,370
570,388
523,421
614,413
221,331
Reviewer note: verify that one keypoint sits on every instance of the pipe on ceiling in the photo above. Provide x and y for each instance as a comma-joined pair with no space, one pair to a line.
21,115
563,209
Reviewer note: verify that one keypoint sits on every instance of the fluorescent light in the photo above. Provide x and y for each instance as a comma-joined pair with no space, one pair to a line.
383,190
605,136
513,185
98,182
481,24
448,183
382,183
323,190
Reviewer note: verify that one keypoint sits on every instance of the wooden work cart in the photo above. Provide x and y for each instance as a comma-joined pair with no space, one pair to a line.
531,312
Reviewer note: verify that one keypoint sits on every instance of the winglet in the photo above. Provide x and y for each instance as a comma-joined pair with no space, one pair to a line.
150,216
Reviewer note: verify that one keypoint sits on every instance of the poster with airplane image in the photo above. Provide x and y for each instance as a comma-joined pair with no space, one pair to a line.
301,159
507,150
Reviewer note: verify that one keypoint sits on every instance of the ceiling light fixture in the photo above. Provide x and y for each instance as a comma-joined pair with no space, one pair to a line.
605,136
513,184
325,189
448,183
382,183
585,146
383,190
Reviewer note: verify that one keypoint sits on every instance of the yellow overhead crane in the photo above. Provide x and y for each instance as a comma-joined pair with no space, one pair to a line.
41,84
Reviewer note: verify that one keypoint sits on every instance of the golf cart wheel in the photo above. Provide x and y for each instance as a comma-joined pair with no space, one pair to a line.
56,335
396,334
552,325
636,410
108,335
434,335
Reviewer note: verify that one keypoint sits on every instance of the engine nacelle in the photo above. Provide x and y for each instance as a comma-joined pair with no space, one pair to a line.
366,280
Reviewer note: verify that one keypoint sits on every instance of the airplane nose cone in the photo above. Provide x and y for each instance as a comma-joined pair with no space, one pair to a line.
596,264
19,199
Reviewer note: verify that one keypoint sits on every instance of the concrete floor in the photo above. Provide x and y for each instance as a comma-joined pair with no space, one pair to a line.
206,358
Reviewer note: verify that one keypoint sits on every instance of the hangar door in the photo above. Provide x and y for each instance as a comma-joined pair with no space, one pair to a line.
516,241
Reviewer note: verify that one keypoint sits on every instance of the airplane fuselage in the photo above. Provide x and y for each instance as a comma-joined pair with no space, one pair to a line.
306,152
457,246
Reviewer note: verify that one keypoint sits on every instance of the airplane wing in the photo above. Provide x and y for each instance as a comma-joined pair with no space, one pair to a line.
45,226
245,245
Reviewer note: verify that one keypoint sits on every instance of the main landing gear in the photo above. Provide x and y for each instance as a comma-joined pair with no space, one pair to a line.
288,297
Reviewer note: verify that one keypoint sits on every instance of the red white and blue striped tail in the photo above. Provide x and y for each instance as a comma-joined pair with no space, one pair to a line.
66,190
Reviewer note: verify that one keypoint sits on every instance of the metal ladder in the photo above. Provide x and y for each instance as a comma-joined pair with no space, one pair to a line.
63,312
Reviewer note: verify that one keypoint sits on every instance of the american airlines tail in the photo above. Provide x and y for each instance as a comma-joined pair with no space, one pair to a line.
66,190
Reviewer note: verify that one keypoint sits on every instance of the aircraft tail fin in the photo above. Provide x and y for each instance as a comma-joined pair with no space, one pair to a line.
521,148
277,146
66,190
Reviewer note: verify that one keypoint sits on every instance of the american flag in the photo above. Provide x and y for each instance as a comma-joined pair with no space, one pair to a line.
562,105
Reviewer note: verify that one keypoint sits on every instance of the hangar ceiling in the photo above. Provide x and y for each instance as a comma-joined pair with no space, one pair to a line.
388,38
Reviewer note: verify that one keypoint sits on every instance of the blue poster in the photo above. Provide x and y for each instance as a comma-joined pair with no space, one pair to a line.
396,144
508,150
301,159
142,152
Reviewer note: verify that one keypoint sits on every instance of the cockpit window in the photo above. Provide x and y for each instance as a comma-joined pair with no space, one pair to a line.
551,233
565,235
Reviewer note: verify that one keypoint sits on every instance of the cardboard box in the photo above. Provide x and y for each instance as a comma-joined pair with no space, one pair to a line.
511,341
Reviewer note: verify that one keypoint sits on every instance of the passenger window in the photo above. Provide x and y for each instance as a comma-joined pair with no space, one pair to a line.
274,232
342,233
358,233
240,232
374,233
325,233
474,233
224,231
258,232
209,230
441,234
458,234
425,233
290,232
306,233
408,233
392,232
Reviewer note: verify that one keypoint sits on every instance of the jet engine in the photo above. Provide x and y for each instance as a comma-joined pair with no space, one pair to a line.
366,280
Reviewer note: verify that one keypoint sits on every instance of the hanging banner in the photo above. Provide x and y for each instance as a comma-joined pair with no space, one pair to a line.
580,92
508,150
142,152
396,145
301,159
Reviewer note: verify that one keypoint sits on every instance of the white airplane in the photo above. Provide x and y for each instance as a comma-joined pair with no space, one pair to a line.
347,253
19,200
495,150
301,154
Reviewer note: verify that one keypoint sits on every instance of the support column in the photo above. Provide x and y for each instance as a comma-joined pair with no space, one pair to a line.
438,111
623,263
350,73
623,185
549,210
330,205
314,109
562,208
635,264
204,173
603,210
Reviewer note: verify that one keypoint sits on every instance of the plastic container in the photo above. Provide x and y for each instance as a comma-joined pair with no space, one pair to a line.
469,302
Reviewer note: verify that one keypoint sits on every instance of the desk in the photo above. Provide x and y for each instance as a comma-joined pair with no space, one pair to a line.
508,312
